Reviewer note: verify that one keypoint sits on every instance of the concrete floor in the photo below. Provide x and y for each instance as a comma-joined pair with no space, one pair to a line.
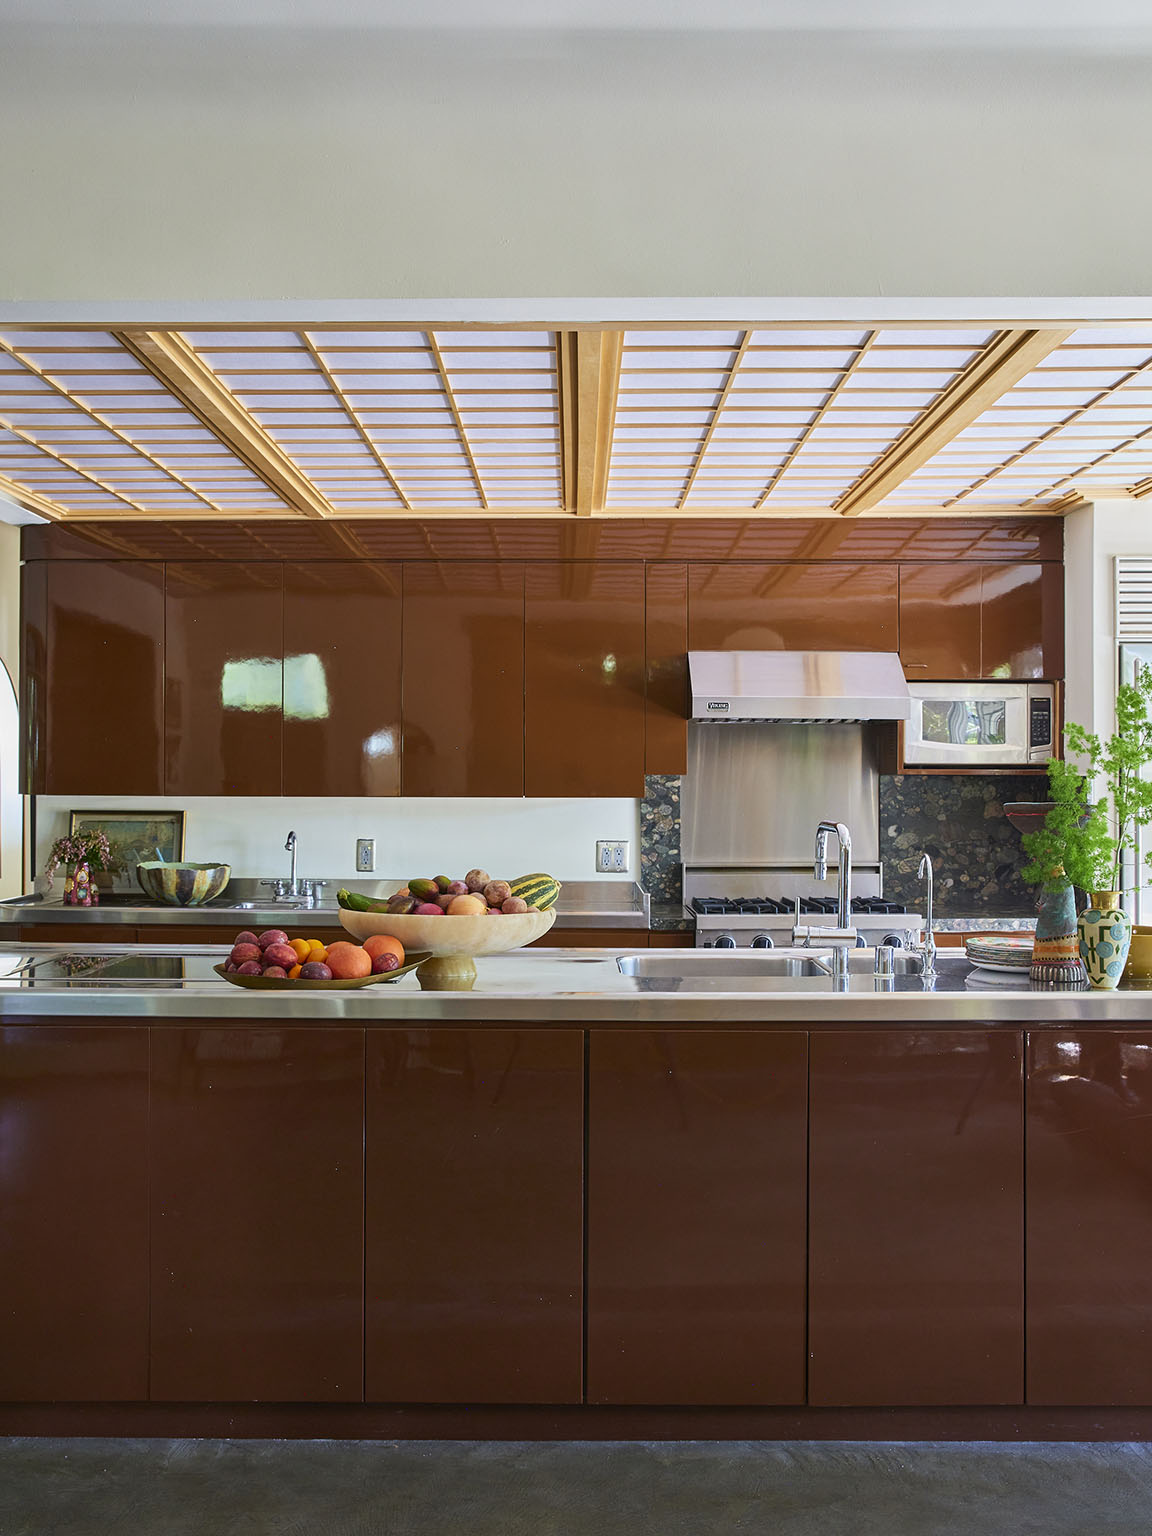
500,1488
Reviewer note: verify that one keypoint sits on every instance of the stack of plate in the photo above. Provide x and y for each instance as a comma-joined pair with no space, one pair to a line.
1006,952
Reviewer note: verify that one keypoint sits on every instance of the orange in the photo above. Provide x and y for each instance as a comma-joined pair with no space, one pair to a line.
317,951
295,971
302,948
347,961
380,943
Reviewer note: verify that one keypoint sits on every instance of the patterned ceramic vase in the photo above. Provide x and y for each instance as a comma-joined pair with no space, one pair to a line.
78,887
1105,934
1055,954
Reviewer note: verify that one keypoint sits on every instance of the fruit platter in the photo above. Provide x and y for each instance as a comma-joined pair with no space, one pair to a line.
455,920
271,960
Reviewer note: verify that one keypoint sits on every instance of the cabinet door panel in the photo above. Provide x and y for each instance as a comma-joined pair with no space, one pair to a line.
1090,1217
940,621
794,607
666,647
916,1219
1022,621
696,1216
224,678
474,1241
104,705
74,1213
584,679
463,678
257,1214
33,675
341,679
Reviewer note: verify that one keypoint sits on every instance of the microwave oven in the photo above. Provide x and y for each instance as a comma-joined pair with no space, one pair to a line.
965,725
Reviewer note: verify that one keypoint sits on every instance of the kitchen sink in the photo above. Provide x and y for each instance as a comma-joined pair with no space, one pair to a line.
712,964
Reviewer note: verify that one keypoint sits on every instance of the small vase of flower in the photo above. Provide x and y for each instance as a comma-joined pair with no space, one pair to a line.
81,853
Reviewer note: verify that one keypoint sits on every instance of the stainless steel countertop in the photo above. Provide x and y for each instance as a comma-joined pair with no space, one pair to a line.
582,904
561,987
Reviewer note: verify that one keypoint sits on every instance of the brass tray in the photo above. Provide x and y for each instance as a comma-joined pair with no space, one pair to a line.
337,984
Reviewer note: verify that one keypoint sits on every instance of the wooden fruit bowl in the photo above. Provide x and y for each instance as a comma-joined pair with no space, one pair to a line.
453,941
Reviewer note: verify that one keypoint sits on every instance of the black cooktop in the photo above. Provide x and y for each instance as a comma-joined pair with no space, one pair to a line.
765,906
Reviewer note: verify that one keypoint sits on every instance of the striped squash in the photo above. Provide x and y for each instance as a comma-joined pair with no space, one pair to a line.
539,891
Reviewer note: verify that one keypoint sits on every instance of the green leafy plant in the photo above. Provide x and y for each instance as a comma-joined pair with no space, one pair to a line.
1090,839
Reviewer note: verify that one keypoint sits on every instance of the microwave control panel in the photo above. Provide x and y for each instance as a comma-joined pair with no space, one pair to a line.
1040,722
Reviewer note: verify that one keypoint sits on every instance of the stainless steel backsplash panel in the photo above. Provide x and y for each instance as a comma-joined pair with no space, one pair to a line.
753,794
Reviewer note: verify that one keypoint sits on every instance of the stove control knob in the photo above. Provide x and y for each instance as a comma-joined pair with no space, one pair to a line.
763,941
725,941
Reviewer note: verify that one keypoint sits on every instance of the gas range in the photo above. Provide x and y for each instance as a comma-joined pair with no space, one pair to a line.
758,907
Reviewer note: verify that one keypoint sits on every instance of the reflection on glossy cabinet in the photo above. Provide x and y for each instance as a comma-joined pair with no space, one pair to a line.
463,678
74,1213
104,707
341,679
1022,621
474,1219
697,1144
257,1203
940,621
33,675
584,679
1089,1202
916,1245
666,643
223,678
806,606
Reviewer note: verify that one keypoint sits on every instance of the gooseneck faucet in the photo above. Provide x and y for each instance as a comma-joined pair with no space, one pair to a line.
820,870
290,845
928,948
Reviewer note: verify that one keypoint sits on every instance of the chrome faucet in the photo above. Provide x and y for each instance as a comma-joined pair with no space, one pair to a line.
820,870
290,846
927,950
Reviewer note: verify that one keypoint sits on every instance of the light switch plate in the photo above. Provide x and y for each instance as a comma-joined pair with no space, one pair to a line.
365,855
611,857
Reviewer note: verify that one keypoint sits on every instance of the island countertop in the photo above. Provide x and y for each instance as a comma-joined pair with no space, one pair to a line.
157,984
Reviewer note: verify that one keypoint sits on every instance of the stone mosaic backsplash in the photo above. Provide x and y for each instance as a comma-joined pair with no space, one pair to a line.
959,820
956,818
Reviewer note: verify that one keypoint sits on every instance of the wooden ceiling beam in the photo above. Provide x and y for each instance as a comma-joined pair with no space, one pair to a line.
999,365
30,501
588,369
182,371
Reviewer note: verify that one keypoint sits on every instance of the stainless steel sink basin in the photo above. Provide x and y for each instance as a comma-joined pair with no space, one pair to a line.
712,964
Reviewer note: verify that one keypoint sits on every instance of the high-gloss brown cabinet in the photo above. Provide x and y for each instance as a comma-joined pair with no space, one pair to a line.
224,674
474,1148
1089,1202
584,685
963,620
464,678
74,1213
806,606
342,644
666,647
94,665
916,1218
257,1210
697,1145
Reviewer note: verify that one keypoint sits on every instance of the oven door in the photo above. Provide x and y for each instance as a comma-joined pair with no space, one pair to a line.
973,724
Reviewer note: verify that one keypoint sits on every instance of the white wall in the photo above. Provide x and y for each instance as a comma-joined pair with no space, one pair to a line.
11,802
413,837
198,163
1094,535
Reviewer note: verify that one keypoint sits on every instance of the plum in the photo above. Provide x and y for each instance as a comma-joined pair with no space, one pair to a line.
384,961
230,966
429,909
277,972
477,879
247,937
242,952
444,901
249,968
402,905
272,936
315,970
497,892
458,888
281,954
514,904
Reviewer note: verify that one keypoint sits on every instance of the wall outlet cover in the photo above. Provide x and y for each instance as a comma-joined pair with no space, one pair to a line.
611,857
365,855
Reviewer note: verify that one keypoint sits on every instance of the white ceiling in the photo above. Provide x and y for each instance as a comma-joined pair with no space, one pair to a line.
1038,18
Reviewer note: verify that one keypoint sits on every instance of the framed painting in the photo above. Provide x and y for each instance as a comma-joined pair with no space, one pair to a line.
136,836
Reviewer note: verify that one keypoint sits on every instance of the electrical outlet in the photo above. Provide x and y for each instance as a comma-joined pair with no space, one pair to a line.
611,858
365,855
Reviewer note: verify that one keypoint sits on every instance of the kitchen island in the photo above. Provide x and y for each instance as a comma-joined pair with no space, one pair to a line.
571,1201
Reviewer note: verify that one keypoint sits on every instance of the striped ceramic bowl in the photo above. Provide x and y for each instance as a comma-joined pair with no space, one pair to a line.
183,885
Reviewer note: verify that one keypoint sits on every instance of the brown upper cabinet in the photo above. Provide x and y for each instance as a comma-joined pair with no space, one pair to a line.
584,678
463,678
342,632
94,673
666,646
749,606
961,620
223,678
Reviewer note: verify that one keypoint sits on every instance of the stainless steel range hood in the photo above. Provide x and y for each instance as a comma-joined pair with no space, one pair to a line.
812,686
